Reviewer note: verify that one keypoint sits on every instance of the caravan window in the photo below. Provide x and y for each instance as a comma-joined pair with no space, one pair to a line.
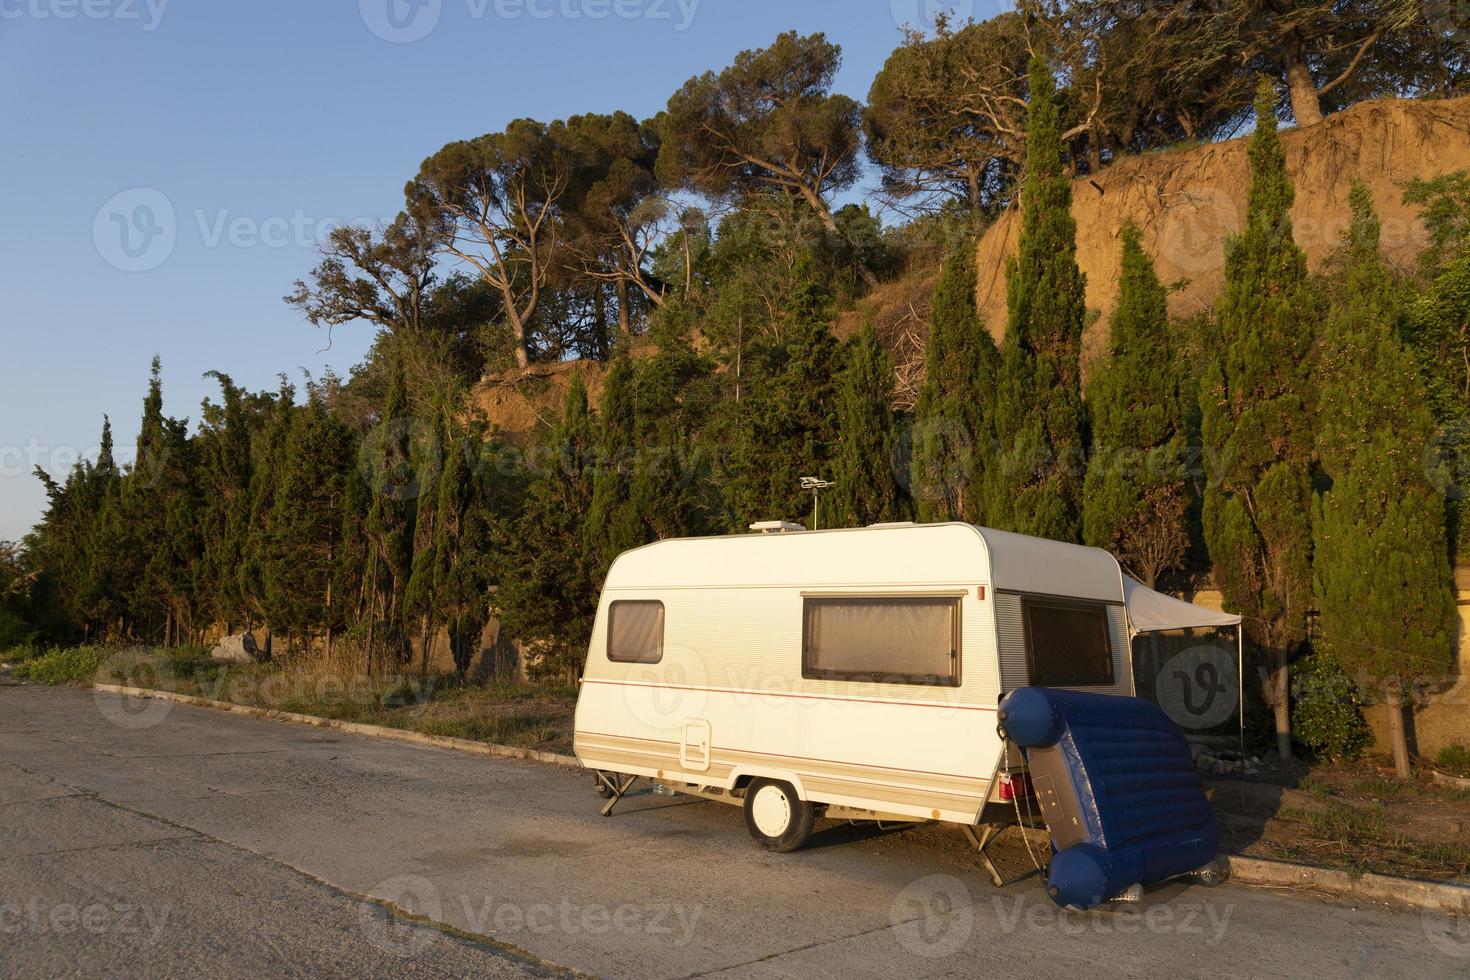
635,632
1067,644
892,639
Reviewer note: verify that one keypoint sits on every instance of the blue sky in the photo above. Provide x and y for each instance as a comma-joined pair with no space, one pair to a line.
168,164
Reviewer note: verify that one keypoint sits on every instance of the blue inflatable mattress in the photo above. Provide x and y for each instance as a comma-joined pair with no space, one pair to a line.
1117,787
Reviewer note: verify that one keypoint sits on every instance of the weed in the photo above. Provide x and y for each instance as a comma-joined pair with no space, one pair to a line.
1455,759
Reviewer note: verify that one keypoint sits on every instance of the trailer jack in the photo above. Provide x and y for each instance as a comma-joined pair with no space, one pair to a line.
617,786
989,834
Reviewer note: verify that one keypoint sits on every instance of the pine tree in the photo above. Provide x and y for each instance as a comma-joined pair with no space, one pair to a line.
953,425
1385,603
1035,482
1135,498
1255,422
866,490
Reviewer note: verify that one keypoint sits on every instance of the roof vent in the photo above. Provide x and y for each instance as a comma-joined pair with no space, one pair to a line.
776,527
894,524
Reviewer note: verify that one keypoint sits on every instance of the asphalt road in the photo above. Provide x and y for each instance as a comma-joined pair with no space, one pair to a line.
179,841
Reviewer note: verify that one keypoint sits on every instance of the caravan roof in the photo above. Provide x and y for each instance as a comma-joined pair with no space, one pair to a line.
887,554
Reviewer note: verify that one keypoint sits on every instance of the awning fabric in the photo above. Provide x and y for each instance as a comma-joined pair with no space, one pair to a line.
1149,611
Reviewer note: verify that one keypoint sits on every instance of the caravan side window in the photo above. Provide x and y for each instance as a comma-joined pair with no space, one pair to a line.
1067,644
635,632
882,639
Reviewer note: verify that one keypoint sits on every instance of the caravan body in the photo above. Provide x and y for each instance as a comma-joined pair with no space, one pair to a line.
862,667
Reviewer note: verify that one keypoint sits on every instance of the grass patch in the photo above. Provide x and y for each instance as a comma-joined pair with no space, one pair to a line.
1338,823
1317,788
63,666
1362,840
507,713
1381,788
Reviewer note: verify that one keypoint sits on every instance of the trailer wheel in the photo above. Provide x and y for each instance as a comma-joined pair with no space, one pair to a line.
776,817
602,789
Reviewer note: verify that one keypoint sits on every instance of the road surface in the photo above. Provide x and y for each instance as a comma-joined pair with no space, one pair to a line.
183,841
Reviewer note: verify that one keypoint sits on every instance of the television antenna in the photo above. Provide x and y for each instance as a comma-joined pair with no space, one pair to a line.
816,486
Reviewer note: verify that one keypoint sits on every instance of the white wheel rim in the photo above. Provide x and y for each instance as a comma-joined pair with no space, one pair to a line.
771,811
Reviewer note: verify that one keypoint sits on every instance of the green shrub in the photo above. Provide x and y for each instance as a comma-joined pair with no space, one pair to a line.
63,666
1327,710
19,653
1455,758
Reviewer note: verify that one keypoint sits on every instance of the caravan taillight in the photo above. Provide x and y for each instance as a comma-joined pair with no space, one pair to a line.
980,592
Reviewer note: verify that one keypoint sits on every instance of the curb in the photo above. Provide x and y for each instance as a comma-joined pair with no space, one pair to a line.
352,727
1439,896
1432,895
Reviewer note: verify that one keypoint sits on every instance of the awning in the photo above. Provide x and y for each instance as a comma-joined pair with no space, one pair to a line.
1149,611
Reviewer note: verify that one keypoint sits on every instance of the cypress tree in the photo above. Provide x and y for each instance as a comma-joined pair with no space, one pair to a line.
306,522
1255,425
420,596
462,545
613,523
224,467
1434,331
787,415
389,460
867,490
668,483
953,427
1135,497
547,594
267,459
1386,608
1036,480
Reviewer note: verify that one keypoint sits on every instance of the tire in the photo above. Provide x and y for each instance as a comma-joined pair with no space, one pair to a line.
602,789
776,817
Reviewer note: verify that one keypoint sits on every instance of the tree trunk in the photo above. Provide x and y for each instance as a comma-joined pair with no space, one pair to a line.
1306,104
625,320
1274,690
518,331
1394,698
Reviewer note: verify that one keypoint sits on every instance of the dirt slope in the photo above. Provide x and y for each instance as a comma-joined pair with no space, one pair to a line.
1186,201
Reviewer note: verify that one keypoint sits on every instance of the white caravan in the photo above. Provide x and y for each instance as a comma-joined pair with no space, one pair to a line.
851,673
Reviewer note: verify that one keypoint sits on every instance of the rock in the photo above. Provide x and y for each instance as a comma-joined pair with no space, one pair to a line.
239,649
